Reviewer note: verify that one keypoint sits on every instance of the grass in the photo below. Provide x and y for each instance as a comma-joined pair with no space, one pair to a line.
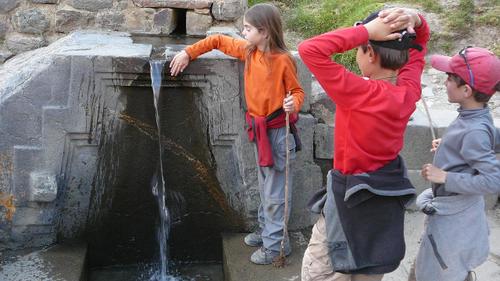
496,49
460,19
430,5
443,42
490,17
312,17
253,2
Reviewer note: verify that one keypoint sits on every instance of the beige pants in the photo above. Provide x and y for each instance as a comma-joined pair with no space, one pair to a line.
316,265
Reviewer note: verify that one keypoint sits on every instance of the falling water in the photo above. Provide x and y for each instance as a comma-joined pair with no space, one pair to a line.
158,180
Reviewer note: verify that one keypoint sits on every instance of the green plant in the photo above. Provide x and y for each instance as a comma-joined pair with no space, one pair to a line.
310,18
490,17
430,5
286,2
442,42
496,49
461,19
348,59
253,2
447,46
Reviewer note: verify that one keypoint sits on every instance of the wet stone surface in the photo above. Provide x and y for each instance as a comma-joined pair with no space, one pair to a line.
199,212
182,272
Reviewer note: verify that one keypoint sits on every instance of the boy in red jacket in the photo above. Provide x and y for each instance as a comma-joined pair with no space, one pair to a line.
359,235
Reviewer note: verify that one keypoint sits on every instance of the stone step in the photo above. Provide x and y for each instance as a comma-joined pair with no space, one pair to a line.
62,262
237,265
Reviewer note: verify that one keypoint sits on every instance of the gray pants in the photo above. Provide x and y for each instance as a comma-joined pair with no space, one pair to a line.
272,189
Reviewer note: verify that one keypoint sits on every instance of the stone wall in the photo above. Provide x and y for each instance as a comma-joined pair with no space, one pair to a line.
29,24
62,117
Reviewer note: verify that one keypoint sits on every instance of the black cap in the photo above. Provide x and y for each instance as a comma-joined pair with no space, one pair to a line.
403,43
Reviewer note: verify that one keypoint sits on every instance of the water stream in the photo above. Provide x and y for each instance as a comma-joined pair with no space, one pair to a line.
158,180
175,163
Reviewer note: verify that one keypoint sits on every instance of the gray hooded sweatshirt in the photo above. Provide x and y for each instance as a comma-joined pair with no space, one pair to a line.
455,240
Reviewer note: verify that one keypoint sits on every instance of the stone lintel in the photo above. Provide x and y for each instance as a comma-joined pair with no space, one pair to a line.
179,4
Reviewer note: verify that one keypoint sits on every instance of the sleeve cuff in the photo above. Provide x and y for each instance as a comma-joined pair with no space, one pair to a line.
296,105
451,179
362,34
423,31
189,52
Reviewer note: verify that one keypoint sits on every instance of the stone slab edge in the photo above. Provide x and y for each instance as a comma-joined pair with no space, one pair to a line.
15,72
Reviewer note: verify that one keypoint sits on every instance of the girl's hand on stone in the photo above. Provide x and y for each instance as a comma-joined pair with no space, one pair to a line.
288,105
179,63
400,19
433,173
435,144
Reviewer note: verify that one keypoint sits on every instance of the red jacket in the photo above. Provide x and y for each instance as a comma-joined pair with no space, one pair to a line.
257,127
371,115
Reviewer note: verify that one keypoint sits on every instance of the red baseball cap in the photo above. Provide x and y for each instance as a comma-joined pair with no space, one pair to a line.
478,67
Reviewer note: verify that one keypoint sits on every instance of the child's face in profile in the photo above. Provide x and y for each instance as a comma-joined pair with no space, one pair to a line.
252,34
456,94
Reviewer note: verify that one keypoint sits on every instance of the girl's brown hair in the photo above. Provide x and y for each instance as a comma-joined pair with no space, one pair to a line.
266,17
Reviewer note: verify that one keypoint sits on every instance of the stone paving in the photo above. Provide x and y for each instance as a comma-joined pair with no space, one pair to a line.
238,267
64,262
414,225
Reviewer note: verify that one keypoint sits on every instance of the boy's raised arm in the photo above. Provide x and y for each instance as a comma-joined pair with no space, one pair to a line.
410,74
344,87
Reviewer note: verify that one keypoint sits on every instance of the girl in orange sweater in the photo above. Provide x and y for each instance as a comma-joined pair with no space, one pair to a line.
270,74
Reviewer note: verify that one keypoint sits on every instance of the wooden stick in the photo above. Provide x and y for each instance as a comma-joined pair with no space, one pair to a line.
429,118
280,261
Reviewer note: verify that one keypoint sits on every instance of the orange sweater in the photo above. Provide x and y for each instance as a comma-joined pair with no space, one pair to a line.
265,88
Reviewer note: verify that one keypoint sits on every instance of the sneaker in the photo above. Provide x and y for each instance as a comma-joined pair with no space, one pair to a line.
265,256
254,239
471,276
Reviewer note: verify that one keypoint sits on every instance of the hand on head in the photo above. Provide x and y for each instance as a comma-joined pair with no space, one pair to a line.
179,63
385,27
380,31
400,19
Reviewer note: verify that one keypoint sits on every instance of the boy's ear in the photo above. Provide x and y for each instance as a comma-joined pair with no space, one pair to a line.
467,91
371,54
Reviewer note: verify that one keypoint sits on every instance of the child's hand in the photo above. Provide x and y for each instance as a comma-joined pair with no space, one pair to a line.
288,105
379,31
400,19
433,173
179,63
435,144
